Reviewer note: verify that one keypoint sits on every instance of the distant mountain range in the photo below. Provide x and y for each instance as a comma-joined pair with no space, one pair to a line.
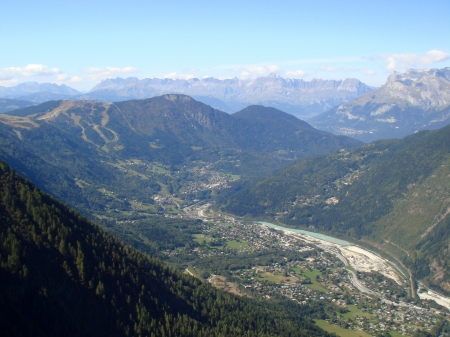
38,92
298,97
408,102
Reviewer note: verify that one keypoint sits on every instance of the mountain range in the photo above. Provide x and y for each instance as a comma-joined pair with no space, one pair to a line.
298,97
76,149
107,158
38,92
408,102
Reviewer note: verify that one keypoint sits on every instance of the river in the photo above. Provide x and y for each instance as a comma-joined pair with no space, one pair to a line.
377,263
314,235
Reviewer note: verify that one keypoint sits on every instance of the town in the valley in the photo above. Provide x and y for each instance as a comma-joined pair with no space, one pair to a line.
363,294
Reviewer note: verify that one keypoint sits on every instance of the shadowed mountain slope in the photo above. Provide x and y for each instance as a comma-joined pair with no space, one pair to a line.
7,105
60,275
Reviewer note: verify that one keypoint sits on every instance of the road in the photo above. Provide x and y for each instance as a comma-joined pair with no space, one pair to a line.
357,284
352,276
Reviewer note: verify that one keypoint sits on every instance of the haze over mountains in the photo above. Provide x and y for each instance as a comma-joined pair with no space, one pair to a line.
298,97
38,92
301,98
408,102
7,105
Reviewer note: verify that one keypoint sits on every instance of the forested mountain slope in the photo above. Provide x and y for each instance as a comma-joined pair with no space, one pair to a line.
395,193
60,275
78,150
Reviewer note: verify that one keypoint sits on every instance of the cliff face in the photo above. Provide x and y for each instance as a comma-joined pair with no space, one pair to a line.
408,102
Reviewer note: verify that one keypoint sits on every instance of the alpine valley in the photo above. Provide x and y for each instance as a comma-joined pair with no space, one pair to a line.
180,190
393,195
100,157
63,276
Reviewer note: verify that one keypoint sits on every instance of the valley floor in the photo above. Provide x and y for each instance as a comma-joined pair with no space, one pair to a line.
365,293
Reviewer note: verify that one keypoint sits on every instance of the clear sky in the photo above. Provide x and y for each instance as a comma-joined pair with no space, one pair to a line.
81,42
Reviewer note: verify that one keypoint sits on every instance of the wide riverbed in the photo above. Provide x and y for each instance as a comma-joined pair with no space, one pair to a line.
314,235
363,260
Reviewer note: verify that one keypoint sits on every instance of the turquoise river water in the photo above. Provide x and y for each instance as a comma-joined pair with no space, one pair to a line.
314,235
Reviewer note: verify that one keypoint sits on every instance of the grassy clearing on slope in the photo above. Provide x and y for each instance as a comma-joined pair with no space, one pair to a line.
339,330
160,169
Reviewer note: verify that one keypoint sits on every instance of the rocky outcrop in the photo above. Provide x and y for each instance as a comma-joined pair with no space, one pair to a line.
408,102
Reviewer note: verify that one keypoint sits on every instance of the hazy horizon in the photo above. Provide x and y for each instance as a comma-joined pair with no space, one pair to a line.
79,44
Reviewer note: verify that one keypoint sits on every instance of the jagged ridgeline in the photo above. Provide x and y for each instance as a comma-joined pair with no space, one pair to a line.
393,193
418,99
61,275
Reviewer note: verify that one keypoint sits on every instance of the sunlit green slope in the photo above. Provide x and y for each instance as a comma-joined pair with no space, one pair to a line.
83,151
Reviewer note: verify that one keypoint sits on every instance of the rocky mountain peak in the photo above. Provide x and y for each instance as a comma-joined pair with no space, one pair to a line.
415,100
426,88
298,97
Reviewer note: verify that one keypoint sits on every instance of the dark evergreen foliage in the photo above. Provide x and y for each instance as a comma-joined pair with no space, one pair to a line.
60,275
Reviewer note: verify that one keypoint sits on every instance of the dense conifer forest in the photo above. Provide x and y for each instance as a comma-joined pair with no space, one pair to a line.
61,275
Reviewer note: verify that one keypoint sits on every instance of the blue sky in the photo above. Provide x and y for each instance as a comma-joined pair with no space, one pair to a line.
79,43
